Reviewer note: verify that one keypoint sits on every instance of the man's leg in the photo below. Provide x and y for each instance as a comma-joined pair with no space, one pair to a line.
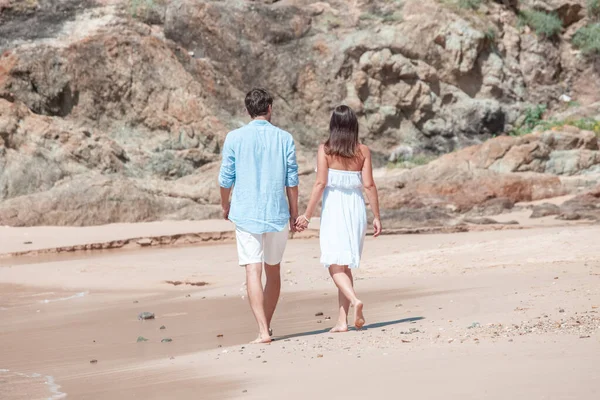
272,290
274,246
250,252
256,297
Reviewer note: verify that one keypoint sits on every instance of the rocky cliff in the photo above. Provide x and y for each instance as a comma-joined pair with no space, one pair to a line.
115,110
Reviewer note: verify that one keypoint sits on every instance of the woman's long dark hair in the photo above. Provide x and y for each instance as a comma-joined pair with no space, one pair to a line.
343,133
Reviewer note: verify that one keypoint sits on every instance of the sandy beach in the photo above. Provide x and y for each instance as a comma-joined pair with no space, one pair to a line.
494,315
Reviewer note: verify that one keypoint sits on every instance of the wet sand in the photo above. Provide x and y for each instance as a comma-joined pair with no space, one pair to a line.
495,315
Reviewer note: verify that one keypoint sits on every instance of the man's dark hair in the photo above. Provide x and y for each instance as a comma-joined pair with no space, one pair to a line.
258,102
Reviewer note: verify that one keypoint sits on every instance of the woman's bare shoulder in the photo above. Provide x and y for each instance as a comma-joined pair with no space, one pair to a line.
364,149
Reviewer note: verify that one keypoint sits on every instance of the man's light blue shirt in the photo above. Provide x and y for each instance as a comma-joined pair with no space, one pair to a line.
259,161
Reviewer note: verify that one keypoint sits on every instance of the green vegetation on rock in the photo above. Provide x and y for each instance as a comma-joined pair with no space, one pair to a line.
470,4
146,10
409,163
533,122
587,39
531,118
586,124
545,25
593,9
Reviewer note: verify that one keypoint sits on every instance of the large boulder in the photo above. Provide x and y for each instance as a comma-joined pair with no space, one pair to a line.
94,199
583,206
513,169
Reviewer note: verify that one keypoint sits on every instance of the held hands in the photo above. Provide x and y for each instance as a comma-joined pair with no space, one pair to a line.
301,223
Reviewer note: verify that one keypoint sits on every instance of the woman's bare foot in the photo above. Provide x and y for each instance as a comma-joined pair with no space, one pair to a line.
339,327
359,318
262,339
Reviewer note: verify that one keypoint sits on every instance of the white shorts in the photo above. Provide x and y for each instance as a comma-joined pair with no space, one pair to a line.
256,248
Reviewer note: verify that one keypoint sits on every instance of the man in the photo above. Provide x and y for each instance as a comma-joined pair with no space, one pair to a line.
259,162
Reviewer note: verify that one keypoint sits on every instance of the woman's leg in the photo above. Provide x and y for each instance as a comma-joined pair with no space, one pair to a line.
342,276
342,322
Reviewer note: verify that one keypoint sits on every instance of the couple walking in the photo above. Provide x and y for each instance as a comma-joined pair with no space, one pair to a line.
259,166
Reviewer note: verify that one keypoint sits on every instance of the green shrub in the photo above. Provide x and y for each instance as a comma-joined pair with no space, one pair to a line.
367,16
543,24
586,124
393,17
593,9
587,39
532,118
490,39
413,162
148,11
470,4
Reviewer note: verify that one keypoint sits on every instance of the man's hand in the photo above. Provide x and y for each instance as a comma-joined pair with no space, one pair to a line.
292,195
225,203
225,208
293,223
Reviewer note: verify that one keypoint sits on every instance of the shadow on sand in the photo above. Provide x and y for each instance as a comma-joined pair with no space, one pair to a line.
366,327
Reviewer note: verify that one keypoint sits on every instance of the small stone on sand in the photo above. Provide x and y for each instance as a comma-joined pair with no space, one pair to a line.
145,315
141,339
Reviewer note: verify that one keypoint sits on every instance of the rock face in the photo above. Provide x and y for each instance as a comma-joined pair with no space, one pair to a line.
584,206
495,174
115,110
545,210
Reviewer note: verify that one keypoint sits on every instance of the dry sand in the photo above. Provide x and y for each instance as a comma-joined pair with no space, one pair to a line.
480,315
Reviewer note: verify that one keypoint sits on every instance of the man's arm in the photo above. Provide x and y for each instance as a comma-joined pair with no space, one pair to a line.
292,183
227,176
225,204
292,195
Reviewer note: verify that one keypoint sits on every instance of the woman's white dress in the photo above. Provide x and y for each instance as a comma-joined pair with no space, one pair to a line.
343,219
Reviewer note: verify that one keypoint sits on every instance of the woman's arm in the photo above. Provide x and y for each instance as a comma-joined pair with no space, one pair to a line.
317,191
371,189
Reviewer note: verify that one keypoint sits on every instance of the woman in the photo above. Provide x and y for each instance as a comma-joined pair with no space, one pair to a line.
343,169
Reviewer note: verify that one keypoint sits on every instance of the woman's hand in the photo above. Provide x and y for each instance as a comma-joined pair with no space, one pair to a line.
302,223
376,227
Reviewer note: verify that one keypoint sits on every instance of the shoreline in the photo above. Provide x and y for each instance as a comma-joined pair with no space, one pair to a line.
195,238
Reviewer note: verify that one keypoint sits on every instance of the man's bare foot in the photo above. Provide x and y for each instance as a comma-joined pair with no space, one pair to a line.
339,327
359,318
262,339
